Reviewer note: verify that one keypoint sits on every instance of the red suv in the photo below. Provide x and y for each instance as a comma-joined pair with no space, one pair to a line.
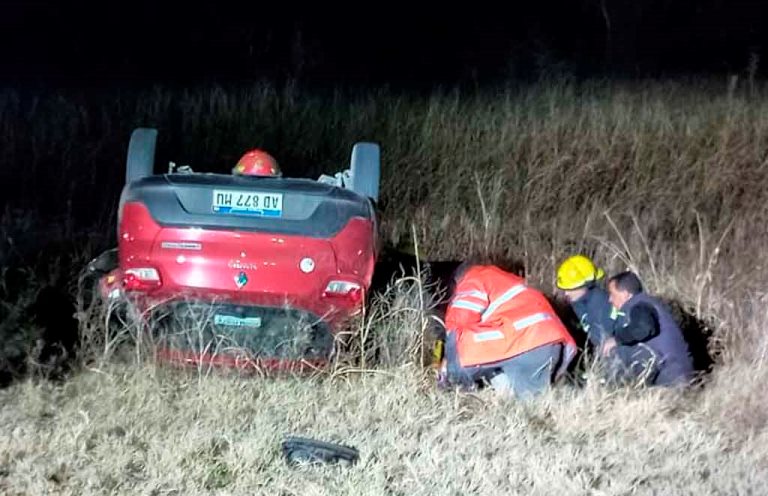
243,270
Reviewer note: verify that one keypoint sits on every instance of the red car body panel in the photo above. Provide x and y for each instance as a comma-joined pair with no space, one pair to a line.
249,267
270,261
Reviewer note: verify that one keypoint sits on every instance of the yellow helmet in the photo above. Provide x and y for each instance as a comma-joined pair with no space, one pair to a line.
577,271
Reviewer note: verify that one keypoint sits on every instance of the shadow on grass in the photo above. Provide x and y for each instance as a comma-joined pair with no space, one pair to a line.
698,334
38,329
40,333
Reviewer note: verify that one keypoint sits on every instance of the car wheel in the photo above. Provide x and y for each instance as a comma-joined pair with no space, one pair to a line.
141,154
366,169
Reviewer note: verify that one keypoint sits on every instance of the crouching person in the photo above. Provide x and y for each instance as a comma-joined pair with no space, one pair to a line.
647,344
499,329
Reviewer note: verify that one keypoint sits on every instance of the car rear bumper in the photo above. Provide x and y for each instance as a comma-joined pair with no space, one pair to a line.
334,311
261,332
242,335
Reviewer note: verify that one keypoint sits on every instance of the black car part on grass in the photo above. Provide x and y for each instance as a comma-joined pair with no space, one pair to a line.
298,450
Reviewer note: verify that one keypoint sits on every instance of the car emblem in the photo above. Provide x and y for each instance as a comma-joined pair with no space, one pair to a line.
241,280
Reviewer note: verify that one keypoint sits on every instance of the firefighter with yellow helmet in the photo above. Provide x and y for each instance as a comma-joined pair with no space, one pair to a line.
579,279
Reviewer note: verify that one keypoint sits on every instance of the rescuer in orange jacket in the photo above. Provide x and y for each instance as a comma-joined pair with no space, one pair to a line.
500,329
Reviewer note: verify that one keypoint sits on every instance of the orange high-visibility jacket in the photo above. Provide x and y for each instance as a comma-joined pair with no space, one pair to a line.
496,316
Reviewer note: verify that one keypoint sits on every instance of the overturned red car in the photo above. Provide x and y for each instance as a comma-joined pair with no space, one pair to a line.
243,270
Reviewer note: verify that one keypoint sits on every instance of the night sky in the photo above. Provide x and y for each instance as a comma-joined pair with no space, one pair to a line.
94,43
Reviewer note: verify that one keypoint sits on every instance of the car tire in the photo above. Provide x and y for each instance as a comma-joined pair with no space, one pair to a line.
141,154
366,169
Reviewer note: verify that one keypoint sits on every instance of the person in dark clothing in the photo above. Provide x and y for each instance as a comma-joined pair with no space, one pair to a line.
647,341
595,313
579,279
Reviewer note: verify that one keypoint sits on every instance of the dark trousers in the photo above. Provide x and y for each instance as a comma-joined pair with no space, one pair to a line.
631,365
638,364
524,375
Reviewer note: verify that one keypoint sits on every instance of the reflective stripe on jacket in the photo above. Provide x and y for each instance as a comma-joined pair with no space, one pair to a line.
496,316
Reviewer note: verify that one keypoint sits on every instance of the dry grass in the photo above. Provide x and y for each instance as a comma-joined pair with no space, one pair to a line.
149,431
666,178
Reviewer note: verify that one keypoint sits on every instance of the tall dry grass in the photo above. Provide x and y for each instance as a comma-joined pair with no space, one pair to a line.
667,178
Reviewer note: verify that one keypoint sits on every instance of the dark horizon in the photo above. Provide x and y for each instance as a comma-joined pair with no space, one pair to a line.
95,43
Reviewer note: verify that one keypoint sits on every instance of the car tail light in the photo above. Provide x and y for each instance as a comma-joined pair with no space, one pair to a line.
344,289
141,279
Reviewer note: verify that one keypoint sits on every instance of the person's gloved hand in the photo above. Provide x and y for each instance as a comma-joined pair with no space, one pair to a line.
442,376
442,382
608,346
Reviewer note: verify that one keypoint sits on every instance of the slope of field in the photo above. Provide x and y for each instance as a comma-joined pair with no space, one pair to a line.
667,178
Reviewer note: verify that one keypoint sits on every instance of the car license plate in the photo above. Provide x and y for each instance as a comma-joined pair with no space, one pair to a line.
247,203
234,321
